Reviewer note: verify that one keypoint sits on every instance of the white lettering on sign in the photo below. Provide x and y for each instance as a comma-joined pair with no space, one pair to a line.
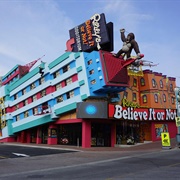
96,18
78,41
170,114
143,114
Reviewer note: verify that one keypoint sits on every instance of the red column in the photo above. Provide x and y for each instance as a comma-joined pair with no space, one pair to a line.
86,134
113,134
28,136
52,134
39,136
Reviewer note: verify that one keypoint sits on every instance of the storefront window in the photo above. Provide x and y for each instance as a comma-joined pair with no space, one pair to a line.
100,134
70,134
128,132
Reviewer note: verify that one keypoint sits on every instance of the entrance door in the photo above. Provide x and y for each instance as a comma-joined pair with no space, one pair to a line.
100,134
70,134
44,134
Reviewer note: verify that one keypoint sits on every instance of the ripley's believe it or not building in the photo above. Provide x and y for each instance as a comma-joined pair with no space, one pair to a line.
86,97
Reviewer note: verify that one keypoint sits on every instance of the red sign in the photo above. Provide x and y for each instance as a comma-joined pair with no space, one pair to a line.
130,113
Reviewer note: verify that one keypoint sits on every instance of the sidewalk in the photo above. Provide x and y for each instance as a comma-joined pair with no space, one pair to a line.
147,146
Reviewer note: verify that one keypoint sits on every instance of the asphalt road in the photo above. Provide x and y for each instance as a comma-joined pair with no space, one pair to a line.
95,165
12,151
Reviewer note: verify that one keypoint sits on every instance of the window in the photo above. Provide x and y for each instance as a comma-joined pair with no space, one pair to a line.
66,68
153,83
26,114
43,93
135,82
32,86
23,91
144,98
17,118
34,98
125,95
56,74
134,97
164,98
93,81
156,98
90,62
58,86
70,94
15,96
42,80
91,71
25,102
16,106
35,110
68,81
172,100
142,81
161,83
59,99
171,87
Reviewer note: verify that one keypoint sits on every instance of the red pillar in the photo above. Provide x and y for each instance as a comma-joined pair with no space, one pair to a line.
28,136
52,134
39,136
113,134
86,134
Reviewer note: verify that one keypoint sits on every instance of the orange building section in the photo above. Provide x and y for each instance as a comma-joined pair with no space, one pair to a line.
152,90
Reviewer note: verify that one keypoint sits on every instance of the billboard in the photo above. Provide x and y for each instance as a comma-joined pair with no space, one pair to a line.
93,34
92,110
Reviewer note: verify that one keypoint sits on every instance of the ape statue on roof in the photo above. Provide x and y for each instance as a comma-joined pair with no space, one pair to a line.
129,43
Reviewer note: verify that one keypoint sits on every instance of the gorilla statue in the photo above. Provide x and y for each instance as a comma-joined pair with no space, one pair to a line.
129,43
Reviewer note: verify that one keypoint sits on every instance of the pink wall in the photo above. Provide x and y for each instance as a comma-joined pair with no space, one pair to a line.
172,129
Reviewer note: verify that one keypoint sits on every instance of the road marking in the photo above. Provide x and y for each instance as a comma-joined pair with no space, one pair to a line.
22,155
2,157
174,165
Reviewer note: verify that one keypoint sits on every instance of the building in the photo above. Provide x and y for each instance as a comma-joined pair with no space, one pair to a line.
85,99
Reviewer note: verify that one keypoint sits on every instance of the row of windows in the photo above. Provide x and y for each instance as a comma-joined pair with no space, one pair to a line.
144,97
43,92
41,81
154,83
32,86
45,106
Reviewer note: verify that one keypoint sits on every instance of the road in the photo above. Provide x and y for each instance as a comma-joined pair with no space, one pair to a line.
95,165
12,151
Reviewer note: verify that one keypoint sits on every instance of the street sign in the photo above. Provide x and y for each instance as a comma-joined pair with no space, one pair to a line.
166,143
177,121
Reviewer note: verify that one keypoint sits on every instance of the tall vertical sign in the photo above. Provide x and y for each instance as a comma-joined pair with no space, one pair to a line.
93,34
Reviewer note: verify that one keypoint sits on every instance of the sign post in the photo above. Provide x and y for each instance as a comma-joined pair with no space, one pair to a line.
166,143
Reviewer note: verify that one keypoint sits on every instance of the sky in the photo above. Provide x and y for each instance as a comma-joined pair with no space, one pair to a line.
30,29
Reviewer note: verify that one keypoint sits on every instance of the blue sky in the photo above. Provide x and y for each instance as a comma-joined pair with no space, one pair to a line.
30,29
